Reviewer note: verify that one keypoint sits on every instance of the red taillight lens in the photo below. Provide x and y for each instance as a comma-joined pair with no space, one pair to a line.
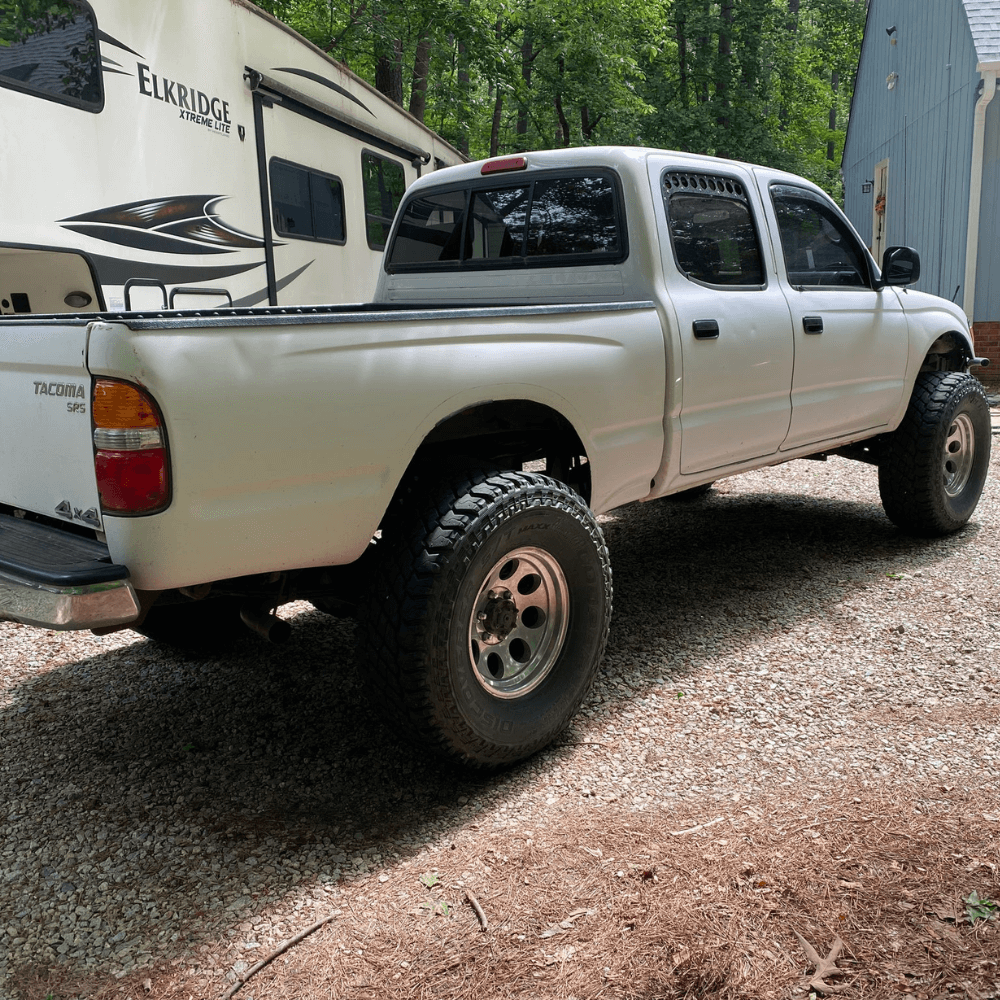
130,455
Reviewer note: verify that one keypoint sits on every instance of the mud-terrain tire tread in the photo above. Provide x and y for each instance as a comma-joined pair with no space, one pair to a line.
407,612
909,476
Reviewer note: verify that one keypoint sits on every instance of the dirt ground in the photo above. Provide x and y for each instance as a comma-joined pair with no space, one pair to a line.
727,904
858,883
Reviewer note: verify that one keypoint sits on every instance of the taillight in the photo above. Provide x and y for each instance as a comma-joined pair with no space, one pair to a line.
130,454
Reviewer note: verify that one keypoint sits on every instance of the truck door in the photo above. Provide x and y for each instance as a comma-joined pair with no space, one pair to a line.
851,339
325,237
733,323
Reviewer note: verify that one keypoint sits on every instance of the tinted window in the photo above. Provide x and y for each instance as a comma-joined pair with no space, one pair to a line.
307,204
817,244
712,229
549,221
430,230
49,48
573,215
384,183
497,228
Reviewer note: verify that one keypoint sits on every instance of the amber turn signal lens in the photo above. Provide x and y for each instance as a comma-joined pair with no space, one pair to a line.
118,404
130,456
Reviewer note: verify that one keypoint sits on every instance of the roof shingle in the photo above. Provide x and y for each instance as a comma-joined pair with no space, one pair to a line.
984,22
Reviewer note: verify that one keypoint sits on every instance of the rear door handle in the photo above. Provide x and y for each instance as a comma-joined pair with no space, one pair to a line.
812,324
706,329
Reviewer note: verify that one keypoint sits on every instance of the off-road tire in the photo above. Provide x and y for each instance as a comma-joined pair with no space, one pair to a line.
419,641
213,624
934,464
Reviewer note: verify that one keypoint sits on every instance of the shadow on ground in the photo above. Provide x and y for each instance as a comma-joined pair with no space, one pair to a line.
220,783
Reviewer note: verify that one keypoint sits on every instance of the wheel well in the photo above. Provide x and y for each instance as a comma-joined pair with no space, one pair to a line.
949,353
509,434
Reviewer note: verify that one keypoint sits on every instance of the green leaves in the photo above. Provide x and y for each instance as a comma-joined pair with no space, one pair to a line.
743,79
979,907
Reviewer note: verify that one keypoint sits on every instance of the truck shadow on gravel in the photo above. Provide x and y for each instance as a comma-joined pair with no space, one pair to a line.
173,795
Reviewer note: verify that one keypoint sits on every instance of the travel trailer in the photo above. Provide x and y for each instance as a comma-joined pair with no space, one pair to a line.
187,154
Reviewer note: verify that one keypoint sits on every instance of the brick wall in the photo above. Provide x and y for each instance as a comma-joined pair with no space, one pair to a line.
987,340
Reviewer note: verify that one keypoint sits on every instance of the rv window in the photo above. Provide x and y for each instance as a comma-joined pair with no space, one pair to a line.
308,205
49,48
384,184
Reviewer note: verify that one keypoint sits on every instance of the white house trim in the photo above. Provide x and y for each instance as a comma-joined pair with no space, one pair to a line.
988,72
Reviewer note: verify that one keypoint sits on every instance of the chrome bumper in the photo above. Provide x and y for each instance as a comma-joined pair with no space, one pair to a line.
57,579
89,606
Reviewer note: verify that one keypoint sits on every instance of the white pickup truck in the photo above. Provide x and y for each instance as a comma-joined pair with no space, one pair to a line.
625,323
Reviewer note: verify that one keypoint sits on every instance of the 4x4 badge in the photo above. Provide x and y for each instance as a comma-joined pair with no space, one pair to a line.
89,516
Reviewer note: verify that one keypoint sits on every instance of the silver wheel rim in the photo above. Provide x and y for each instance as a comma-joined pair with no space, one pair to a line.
518,622
959,453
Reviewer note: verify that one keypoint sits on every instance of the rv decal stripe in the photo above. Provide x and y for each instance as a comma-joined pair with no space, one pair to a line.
116,72
261,294
105,37
116,271
141,239
160,224
316,78
149,214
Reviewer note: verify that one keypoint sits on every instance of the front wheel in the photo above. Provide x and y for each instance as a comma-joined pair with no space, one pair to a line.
934,466
487,619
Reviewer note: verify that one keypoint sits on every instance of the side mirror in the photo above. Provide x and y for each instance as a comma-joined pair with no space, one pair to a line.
900,266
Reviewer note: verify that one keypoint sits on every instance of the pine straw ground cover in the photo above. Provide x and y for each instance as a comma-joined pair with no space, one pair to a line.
657,905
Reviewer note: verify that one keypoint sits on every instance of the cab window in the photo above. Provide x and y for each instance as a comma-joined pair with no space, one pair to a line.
550,220
712,229
816,242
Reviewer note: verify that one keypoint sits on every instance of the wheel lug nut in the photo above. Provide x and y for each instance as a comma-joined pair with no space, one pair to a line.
482,616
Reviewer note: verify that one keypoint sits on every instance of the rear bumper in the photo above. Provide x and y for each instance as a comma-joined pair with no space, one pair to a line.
59,580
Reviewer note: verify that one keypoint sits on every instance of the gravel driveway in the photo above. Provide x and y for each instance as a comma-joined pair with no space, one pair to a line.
775,636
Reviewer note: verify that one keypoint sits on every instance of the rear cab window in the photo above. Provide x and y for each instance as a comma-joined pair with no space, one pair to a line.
50,49
543,219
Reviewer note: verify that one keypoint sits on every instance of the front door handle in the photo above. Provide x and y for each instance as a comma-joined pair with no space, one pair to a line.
812,324
706,329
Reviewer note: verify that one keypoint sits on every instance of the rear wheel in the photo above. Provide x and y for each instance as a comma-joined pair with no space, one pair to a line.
487,620
934,466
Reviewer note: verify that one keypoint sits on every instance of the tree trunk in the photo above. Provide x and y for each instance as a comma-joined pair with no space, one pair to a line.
682,65
389,73
563,124
527,56
723,71
498,103
421,71
588,124
834,85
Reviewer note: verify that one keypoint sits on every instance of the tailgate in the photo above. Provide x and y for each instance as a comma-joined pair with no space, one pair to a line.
46,441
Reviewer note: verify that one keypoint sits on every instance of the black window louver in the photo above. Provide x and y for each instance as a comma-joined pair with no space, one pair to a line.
713,183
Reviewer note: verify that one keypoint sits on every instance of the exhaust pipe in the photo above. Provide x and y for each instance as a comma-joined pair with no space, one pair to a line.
263,621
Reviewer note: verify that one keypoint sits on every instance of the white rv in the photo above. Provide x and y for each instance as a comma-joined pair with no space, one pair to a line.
188,154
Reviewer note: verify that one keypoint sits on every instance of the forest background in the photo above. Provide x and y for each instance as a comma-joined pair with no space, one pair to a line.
768,81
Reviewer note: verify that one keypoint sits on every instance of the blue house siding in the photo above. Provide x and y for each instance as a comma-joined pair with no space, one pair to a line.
923,126
987,307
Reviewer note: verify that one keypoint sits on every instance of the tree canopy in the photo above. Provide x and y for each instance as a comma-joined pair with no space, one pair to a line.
768,81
